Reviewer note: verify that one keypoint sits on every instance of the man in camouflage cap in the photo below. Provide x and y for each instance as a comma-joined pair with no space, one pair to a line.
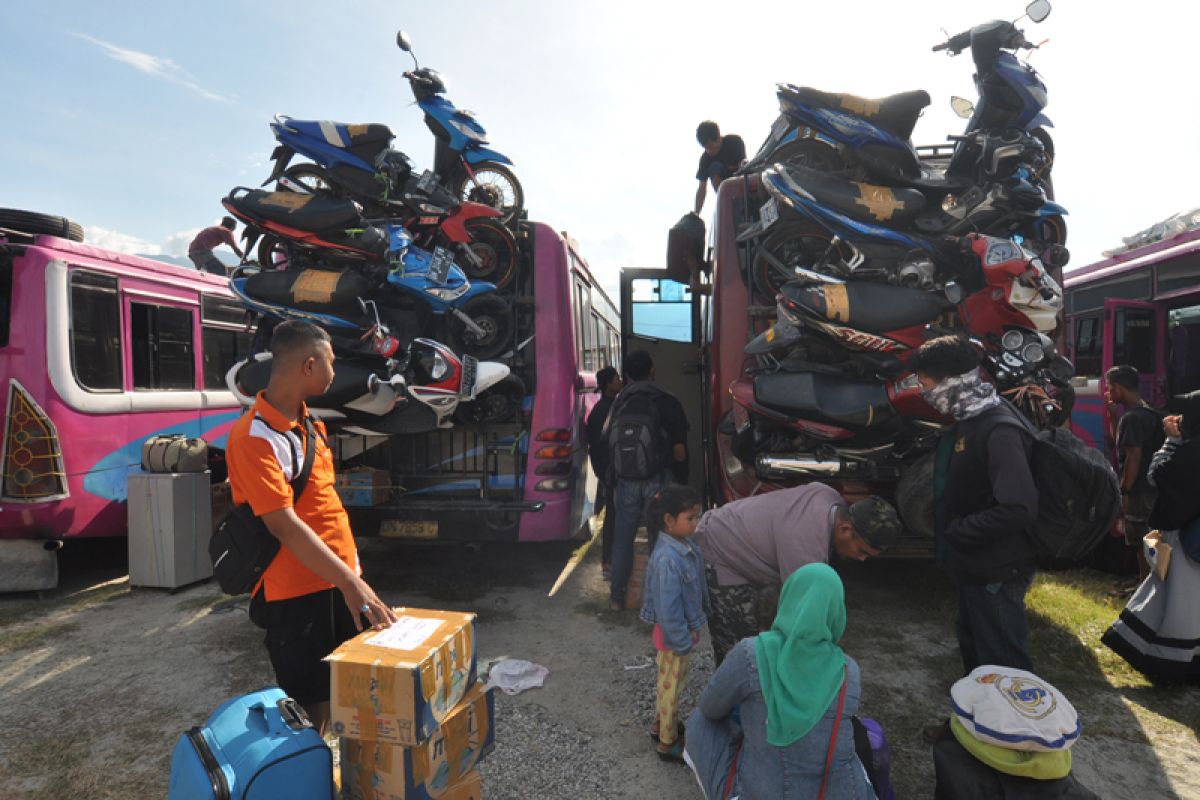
756,543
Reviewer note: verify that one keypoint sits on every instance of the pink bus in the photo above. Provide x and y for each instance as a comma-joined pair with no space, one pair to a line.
523,480
98,352
1139,307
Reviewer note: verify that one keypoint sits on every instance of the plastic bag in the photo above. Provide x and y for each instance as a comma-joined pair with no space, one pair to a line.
513,676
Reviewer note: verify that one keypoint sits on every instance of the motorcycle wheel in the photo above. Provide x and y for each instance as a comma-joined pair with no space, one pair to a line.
273,253
494,316
790,246
811,153
1043,135
494,246
498,403
494,185
310,176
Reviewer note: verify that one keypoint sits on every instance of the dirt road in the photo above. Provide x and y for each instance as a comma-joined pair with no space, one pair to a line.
99,680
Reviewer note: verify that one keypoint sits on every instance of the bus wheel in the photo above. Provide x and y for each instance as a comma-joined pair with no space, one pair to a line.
494,246
499,403
33,222
494,316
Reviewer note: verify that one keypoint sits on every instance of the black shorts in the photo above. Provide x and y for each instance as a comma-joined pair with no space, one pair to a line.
301,631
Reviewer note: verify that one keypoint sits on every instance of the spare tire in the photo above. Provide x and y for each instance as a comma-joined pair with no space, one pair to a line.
33,222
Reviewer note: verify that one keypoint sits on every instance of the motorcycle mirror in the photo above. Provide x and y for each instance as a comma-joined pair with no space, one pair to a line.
954,292
1038,10
963,107
403,42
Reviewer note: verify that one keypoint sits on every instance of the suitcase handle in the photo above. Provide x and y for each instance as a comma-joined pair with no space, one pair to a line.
291,717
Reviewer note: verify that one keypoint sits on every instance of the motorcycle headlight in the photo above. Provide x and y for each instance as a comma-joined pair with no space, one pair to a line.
439,368
467,131
448,295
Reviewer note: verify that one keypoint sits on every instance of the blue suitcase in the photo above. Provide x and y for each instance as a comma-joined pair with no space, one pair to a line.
259,746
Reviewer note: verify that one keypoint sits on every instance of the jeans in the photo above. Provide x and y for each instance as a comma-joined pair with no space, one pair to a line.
991,624
629,500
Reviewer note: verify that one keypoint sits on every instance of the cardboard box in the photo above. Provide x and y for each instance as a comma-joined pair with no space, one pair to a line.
363,486
398,684
442,767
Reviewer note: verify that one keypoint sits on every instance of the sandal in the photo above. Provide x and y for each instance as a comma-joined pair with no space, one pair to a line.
671,752
654,730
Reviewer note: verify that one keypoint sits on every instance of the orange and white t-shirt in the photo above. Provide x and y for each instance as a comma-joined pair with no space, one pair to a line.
264,453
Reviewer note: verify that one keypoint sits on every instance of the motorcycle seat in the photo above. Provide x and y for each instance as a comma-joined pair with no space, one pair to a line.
895,113
305,212
819,397
864,201
365,140
311,289
864,305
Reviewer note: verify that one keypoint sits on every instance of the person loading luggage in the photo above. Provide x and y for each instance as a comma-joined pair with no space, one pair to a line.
722,157
297,601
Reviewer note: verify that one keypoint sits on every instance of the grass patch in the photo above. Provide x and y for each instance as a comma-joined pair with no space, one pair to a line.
28,637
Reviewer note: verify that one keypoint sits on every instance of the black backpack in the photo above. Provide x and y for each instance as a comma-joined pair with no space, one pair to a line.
1078,493
636,441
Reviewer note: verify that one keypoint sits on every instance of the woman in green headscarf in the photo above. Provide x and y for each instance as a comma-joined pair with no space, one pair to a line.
774,703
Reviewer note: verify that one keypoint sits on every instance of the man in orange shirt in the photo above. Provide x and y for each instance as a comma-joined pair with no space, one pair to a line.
297,599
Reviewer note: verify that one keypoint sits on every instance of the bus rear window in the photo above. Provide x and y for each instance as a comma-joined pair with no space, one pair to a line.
95,331
6,271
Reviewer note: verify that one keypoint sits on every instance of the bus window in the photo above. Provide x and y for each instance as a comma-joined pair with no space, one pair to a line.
224,338
163,350
6,260
662,309
1183,350
1089,346
1133,339
95,331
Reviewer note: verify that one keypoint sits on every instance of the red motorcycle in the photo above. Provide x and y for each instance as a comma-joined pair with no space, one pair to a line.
831,395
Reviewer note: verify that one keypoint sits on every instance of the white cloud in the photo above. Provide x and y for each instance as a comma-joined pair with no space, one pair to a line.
152,65
119,242
177,243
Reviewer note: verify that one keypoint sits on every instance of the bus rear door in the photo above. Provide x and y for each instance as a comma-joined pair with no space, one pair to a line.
662,317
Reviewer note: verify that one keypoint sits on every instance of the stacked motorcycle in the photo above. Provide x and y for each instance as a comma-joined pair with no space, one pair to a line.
405,270
868,246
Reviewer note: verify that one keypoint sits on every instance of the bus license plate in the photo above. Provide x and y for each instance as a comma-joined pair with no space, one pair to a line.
769,213
439,266
405,529
470,368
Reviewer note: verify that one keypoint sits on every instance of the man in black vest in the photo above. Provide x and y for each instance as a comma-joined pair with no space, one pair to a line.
985,501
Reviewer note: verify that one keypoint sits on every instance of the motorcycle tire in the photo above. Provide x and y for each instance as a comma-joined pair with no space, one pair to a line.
273,252
498,403
311,176
811,153
491,313
494,185
1043,136
33,222
494,246
791,245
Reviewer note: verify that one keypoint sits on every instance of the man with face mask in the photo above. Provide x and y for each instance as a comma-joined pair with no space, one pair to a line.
985,501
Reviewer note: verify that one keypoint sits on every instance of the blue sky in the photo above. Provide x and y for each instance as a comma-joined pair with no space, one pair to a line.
135,118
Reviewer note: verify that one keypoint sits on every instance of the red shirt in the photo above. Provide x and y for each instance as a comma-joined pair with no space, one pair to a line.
211,238
265,451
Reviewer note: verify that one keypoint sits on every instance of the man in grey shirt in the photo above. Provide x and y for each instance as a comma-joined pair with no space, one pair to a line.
754,544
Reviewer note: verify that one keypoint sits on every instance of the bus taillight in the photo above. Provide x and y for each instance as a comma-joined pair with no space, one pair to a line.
33,468
554,435
557,451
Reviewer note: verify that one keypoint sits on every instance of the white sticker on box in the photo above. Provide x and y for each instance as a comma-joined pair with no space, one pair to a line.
406,633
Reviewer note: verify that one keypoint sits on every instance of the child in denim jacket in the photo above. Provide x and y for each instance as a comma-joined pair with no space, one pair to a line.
674,600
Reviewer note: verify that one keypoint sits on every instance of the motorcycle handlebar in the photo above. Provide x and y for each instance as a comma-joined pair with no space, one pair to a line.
955,44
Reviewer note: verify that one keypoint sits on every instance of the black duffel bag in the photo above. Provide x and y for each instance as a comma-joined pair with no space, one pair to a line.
242,548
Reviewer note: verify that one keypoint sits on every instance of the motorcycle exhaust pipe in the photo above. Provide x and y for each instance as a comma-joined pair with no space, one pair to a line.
787,466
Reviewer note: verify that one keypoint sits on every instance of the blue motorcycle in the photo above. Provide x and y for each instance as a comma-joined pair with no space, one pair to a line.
418,286
831,131
469,169
853,230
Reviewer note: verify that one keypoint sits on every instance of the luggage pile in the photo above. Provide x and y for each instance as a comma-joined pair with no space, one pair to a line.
412,719
413,724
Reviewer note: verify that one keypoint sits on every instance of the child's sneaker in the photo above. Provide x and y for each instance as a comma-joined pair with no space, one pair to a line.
672,751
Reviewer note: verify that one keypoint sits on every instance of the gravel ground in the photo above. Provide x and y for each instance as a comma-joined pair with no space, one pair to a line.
98,680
